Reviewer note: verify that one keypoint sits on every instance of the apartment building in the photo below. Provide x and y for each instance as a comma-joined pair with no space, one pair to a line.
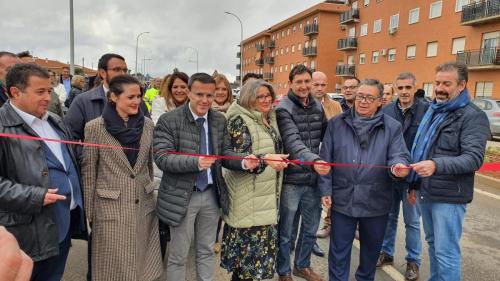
305,38
385,37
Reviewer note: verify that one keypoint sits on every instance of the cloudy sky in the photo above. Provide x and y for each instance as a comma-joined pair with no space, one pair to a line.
101,26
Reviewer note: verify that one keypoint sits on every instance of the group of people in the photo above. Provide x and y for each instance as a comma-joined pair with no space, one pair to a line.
253,165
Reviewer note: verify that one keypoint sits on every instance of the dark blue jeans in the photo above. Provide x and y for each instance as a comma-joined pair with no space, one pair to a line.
52,269
371,234
306,198
411,216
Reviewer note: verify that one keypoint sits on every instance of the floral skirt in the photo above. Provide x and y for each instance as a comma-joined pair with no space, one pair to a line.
250,252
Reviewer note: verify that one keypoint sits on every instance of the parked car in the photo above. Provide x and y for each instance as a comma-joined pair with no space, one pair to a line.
336,96
492,109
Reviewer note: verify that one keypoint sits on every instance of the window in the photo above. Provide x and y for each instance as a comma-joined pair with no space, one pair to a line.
294,28
484,88
314,43
299,47
377,25
293,48
313,64
286,49
352,32
458,45
414,16
354,5
305,63
281,68
286,67
394,21
362,58
363,30
288,31
432,49
428,89
391,55
410,51
436,8
281,51
300,26
315,20
277,36
375,55
291,66
366,3
350,60
459,4
282,33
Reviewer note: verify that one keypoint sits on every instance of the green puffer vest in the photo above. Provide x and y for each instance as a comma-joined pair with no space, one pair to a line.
253,198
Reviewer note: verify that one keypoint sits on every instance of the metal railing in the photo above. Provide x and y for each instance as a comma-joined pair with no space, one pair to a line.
238,66
311,29
349,16
480,10
345,70
259,61
310,51
271,44
481,57
268,76
269,60
347,43
238,54
259,47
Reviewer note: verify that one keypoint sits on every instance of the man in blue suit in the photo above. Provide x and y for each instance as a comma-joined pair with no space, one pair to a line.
40,195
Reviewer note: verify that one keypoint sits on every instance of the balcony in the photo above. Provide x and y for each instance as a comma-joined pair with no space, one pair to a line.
270,44
269,60
346,44
311,29
481,12
351,16
238,54
345,70
268,76
238,78
309,51
260,47
483,59
238,66
259,61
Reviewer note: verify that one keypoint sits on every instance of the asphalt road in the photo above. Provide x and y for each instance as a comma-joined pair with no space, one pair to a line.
480,247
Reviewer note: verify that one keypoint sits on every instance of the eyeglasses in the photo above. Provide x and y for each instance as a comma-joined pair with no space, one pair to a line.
368,99
349,87
264,98
119,69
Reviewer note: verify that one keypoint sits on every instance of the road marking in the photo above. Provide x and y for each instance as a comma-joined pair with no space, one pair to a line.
389,269
486,193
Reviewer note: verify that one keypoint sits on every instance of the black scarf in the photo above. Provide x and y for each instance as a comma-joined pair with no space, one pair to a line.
128,135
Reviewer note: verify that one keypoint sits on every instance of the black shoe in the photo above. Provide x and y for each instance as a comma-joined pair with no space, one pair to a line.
384,259
317,250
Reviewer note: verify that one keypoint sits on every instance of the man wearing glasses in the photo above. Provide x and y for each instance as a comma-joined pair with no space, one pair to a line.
348,91
89,105
361,195
409,112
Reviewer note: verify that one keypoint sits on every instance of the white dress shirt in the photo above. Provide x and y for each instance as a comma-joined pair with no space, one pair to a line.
45,130
205,125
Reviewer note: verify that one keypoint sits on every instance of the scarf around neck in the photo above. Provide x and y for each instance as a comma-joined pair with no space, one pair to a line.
129,134
364,125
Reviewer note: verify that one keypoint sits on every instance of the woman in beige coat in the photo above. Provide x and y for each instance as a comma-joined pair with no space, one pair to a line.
118,188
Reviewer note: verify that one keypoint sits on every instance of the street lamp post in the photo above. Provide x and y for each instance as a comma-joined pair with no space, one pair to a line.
71,40
197,57
137,48
241,46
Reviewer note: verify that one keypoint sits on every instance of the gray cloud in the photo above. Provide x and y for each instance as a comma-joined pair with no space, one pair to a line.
112,26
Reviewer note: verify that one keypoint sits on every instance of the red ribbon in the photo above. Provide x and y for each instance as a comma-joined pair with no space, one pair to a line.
485,167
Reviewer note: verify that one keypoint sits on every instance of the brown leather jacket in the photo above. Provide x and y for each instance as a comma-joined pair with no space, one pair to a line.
331,107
